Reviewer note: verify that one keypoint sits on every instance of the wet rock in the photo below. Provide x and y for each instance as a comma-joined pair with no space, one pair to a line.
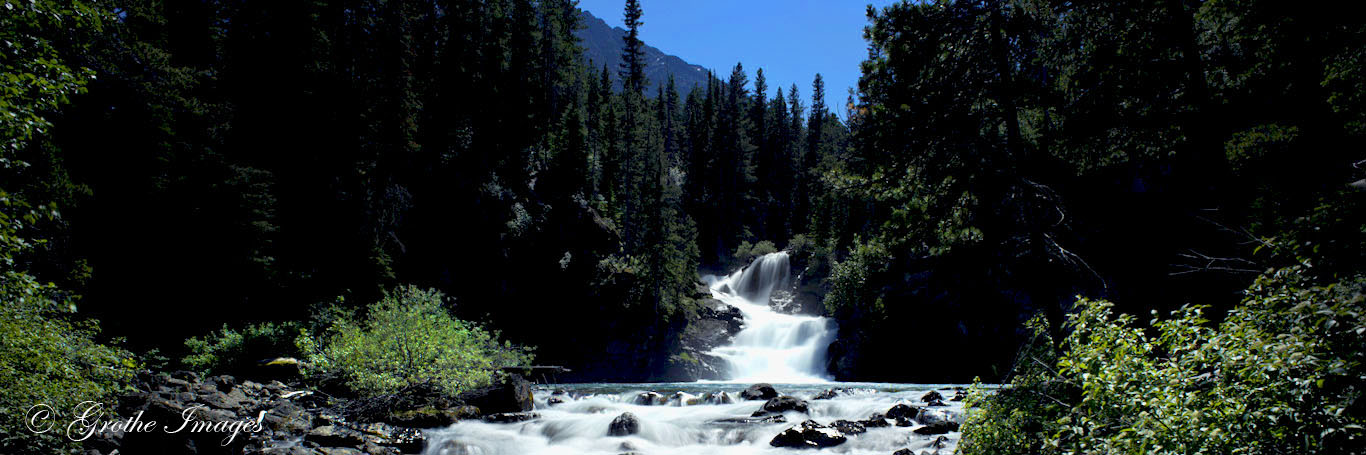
849,427
338,451
380,437
760,391
510,394
931,417
511,417
933,395
875,421
903,410
215,399
904,422
717,398
432,416
177,384
287,450
786,403
827,394
959,395
808,434
648,399
624,425
554,401
752,420
937,428
933,399
684,399
333,436
903,452
939,442
287,418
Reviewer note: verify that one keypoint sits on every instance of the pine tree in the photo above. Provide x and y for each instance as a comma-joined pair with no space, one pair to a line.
633,53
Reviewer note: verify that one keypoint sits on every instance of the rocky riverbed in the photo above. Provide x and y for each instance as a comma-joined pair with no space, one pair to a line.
515,418
719,419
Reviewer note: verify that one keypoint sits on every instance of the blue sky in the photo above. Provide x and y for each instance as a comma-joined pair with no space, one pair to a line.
791,40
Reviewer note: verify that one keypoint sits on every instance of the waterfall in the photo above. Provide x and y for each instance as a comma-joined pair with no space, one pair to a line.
772,347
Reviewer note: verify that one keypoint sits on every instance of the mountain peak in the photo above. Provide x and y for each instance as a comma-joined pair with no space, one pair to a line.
603,45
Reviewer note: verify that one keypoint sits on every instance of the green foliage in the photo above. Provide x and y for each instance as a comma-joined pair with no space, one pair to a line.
1283,373
852,290
35,79
229,351
1018,418
800,245
410,338
746,252
49,356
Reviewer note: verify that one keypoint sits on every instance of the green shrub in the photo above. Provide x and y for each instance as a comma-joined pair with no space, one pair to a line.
229,351
747,252
851,288
800,245
409,338
1019,418
47,357
1283,373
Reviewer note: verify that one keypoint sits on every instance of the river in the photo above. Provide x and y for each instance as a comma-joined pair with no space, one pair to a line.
713,418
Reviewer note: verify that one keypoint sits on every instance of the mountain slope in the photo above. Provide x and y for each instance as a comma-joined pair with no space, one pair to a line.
603,43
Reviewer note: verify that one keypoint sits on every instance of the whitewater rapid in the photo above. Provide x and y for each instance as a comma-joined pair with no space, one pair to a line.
574,419
772,346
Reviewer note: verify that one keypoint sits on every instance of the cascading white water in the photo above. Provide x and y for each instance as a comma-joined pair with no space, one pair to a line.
714,418
772,347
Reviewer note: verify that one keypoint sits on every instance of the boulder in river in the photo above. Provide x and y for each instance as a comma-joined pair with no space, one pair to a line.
752,420
784,404
511,417
717,398
940,427
510,394
933,399
762,391
649,399
849,427
625,424
903,452
809,434
827,394
903,410
875,421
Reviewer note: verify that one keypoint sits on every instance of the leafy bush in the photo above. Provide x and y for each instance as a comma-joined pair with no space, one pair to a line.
409,338
48,357
230,351
1019,418
800,245
851,290
747,252
1282,374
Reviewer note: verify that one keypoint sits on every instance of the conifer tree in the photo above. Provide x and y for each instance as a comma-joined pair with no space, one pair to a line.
633,53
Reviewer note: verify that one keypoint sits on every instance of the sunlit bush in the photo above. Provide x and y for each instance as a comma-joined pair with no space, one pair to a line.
231,351
1283,373
49,358
747,252
408,339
